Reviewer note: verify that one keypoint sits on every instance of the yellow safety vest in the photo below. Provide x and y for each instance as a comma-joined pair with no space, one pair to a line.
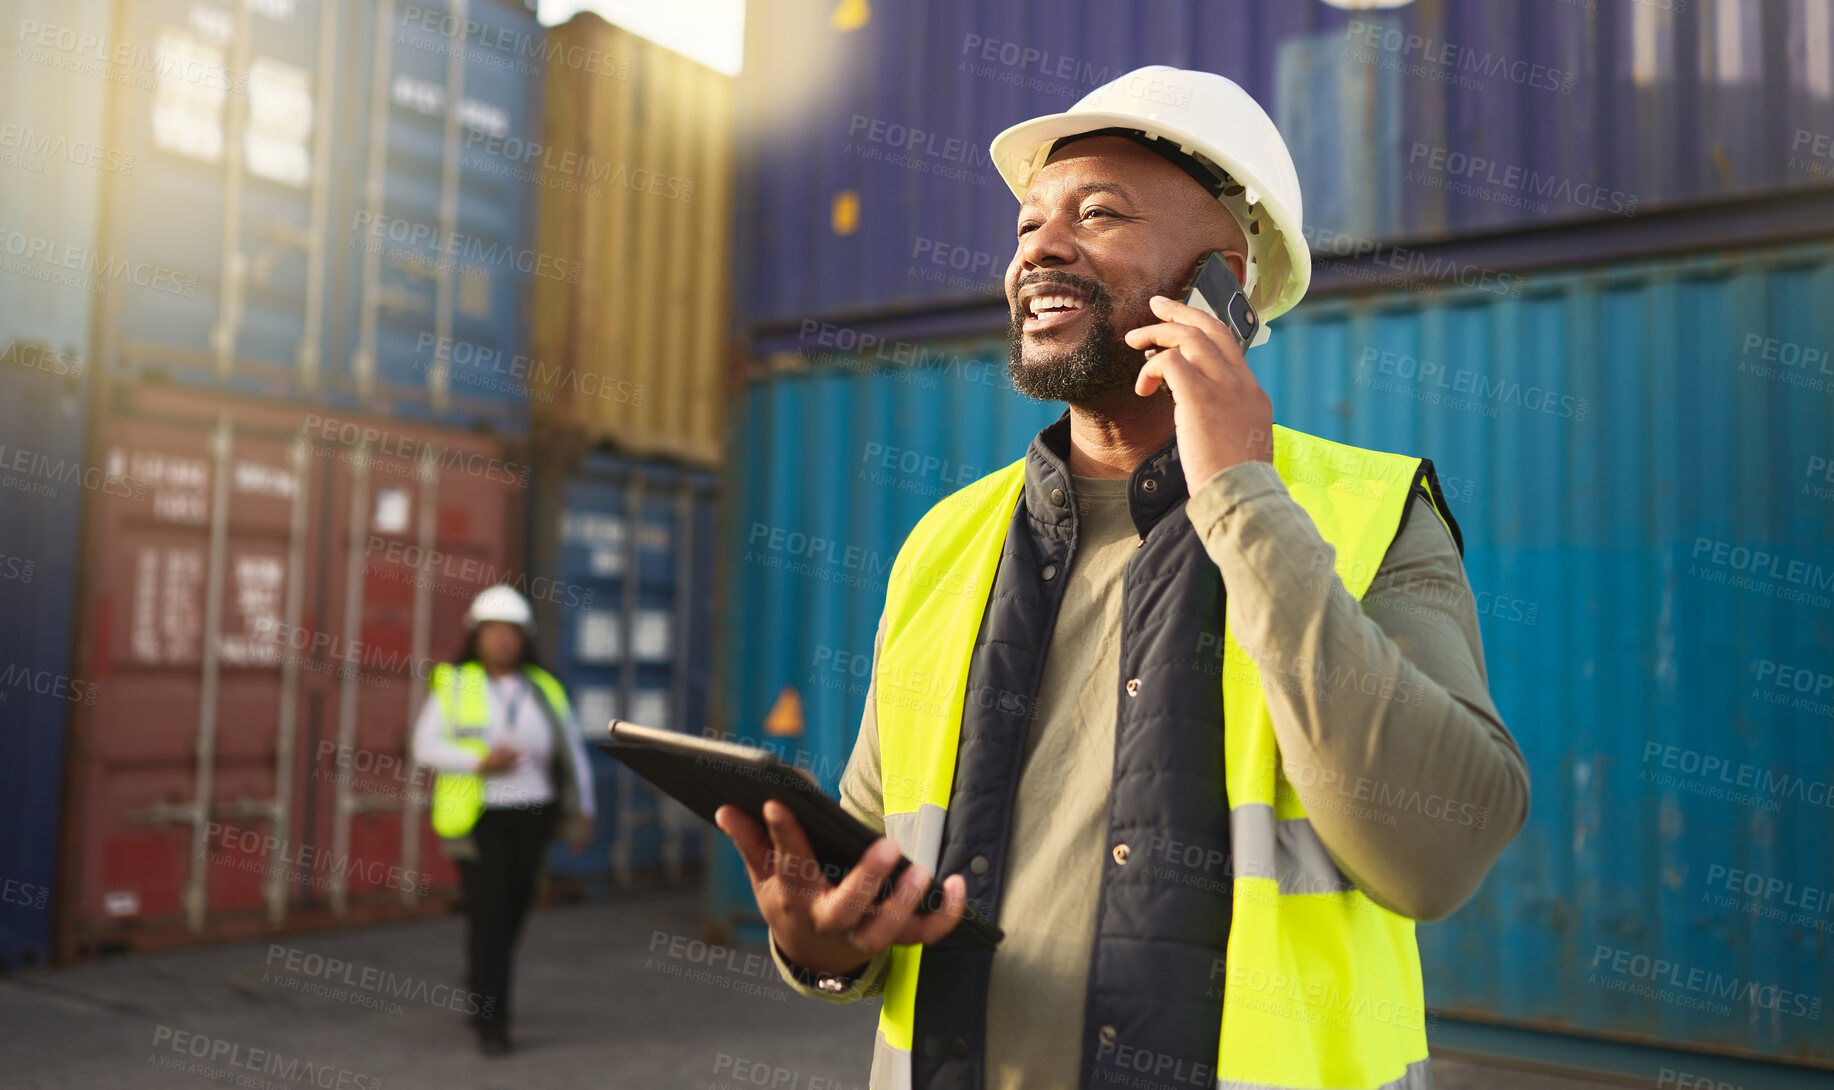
1323,988
458,797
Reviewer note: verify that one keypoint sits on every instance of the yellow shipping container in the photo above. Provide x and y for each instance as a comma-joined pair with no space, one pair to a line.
637,190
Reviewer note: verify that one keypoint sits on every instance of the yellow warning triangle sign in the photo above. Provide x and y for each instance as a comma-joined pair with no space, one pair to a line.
785,718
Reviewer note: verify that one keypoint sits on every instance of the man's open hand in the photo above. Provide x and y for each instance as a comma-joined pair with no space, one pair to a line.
829,928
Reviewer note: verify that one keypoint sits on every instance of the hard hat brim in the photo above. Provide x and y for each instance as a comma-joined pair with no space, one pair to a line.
1015,149
527,627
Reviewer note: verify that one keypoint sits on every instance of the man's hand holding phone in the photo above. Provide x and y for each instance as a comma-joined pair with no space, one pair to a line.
1223,416
829,928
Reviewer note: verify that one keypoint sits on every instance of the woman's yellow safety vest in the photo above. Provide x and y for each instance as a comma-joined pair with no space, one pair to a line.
1322,988
464,705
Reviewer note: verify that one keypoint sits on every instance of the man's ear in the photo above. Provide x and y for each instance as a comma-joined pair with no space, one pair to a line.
1238,264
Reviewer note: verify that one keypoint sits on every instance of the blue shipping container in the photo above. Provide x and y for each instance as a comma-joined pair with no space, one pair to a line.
41,508
307,217
1639,455
833,468
1670,418
632,640
435,225
55,157
867,188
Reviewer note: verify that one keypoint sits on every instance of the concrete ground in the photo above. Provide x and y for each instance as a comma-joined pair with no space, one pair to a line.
614,995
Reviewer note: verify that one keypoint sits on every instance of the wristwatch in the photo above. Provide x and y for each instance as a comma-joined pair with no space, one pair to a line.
831,983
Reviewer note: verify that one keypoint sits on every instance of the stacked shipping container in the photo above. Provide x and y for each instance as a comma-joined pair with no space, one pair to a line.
1652,402
632,545
263,578
1620,440
637,194
54,159
267,590
865,169
628,364
1678,412
369,246
305,236
628,358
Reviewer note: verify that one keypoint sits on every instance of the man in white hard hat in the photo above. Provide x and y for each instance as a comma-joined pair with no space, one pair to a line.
1193,705
512,773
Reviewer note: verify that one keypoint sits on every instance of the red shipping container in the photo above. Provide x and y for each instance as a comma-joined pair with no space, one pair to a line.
266,591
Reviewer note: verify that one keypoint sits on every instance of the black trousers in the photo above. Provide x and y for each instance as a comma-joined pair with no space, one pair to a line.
499,888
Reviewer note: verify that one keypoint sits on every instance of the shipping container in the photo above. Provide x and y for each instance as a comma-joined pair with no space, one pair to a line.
318,207
635,173
867,188
433,219
1638,454
41,509
834,464
53,156
628,617
266,591
1618,443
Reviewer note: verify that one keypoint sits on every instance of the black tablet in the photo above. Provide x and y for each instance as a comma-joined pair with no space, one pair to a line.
704,774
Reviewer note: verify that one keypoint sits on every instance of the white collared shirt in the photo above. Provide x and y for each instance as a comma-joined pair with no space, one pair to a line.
516,719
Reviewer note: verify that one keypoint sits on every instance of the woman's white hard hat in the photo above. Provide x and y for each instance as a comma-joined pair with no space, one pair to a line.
501,603
1204,115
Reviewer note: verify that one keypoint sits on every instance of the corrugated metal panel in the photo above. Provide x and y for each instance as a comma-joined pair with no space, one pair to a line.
1343,126
307,218
635,164
1621,445
433,223
835,466
866,182
41,507
266,592
1616,441
1443,117
53,156
632,631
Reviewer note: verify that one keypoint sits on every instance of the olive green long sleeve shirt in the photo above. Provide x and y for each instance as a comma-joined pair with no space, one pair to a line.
1381,710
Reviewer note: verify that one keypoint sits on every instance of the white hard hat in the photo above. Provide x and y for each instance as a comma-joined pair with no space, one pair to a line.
1201,115
501,603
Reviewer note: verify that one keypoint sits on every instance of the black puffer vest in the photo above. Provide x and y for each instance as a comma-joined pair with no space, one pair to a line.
1151,985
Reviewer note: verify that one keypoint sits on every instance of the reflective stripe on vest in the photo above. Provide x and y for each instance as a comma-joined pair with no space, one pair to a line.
1323,986
464,706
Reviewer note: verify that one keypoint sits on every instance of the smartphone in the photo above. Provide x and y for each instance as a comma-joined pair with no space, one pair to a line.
1215,291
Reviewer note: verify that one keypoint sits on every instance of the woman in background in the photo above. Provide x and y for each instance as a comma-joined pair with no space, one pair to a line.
512,774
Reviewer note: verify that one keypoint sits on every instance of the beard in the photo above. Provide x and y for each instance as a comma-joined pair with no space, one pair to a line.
1093,367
